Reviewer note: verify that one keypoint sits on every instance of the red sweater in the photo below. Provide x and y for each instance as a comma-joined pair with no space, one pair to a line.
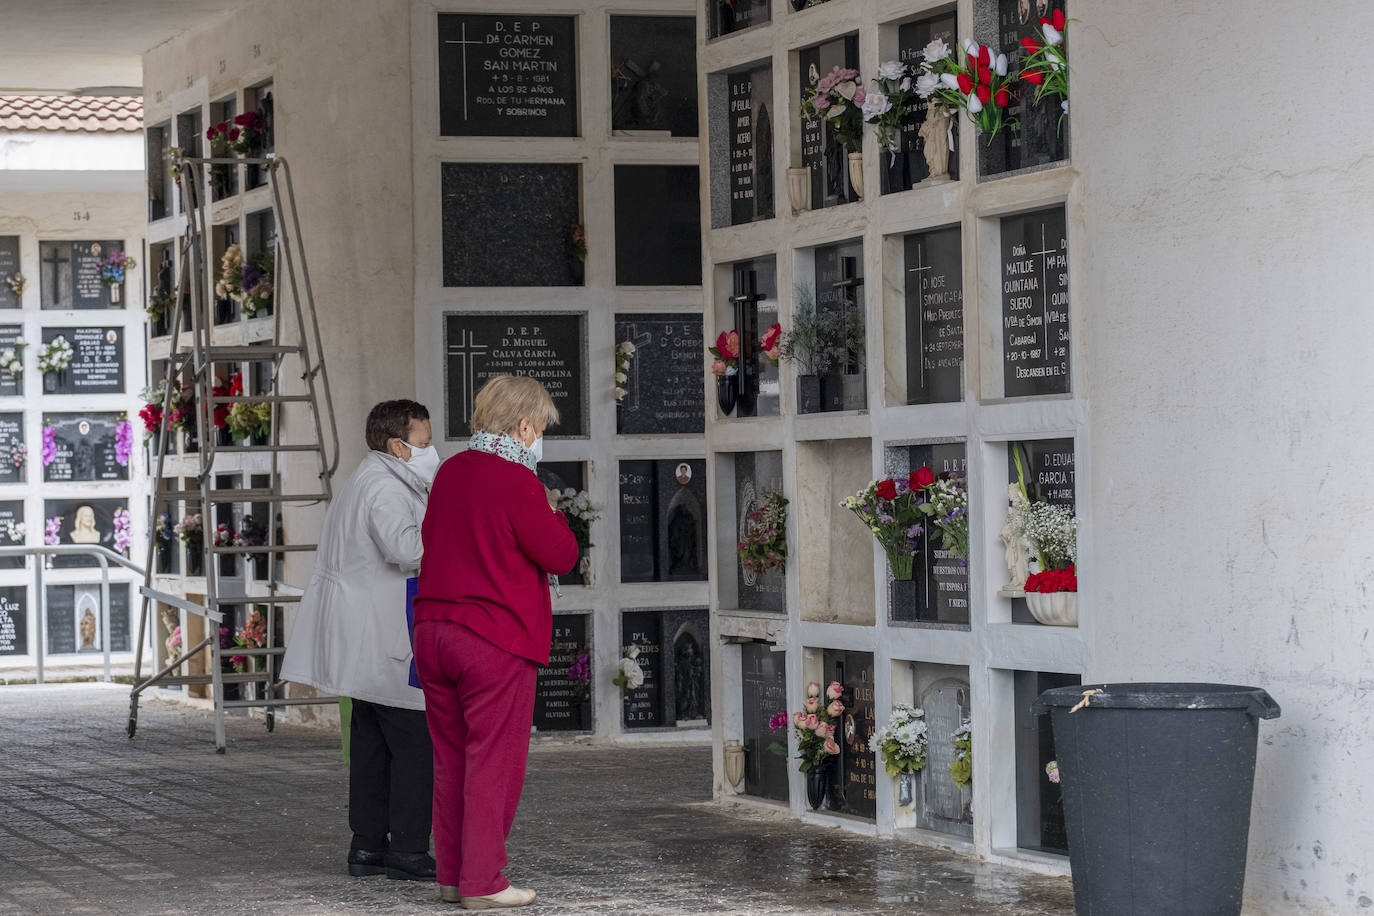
490,542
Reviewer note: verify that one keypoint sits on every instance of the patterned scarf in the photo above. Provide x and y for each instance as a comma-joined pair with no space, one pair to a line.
503,445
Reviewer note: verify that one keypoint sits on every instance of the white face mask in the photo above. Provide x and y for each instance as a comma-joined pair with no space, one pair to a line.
537,446
424,462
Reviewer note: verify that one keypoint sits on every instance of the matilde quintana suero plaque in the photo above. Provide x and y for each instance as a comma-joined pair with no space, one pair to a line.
1035,303
507,76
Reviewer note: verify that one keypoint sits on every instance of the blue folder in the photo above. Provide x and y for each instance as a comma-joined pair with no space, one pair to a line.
412,585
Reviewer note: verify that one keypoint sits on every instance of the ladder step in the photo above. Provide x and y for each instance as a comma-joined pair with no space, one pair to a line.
279,701
242,496
177,601
236,650
257,599
229,677
260,353
263,548
264,449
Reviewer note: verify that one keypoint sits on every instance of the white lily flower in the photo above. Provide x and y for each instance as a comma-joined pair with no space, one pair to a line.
974,106
970,47
1052,35
1001,65
949,81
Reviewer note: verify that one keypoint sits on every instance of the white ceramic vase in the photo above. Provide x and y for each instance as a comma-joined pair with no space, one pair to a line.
856,173
799,188
1054,609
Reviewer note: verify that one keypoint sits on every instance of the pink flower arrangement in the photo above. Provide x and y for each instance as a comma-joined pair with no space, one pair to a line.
771,339
52,531
816,729
123,530
124,443
837,99
726,352
49,453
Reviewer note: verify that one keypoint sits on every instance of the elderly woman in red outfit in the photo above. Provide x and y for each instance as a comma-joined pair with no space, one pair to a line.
483,624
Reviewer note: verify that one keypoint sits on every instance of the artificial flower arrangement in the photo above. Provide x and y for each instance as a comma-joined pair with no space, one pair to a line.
903,741
889,105
222,389
249,418
978,85
242,135
17,283
19,455
771,343
226,536
55,355
764,544
160,304
253,635
946,505
52,530
961,767
1046,66
624,354
817,724
1052,771
892,511
1053,580
629,676
247,282
114,266
580,675
190,531
174,156
577,507
15,532
124,441
123,530
726,353
47,452
12,360
837,99
577,243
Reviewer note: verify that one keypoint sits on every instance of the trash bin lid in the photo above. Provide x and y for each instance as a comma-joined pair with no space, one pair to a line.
1254,700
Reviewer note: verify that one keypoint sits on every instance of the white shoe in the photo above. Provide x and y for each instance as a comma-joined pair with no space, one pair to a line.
509,898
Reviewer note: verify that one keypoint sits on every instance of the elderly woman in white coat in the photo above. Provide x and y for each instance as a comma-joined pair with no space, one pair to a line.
350,638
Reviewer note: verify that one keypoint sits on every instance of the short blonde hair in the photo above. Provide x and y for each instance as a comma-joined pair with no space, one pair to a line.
506,400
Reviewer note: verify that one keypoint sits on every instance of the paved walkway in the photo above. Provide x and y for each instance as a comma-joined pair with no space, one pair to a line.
91,822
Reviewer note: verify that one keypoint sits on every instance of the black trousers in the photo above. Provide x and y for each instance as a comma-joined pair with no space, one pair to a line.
390,778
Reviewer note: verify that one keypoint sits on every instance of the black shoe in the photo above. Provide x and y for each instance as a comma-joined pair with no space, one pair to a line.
362,863
410,866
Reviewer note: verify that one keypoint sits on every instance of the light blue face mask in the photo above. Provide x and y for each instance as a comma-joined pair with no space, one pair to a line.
424,462
537,447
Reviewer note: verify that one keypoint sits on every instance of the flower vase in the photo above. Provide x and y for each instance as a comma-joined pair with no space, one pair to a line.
260,439
578,271
49,382
223,436
727,392
853,390
195,561
856,174
808,394
1054,609
734,763
901,566
832,391
114,293
817,786
799,189
906,789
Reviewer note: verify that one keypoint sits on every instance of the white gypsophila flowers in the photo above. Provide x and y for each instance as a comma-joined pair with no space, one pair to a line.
1052,532
891,70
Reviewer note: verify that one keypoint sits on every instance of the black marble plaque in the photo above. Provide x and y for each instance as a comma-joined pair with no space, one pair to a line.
663,520
507,75
642,707
934,317
97,365
11,515
1039,804
85,448
549,347
71,275
822,152
1047,465
74,614
909,166
686,667
657,225
854,783
840,291
654,76
938,591
763,685
943,805
1040,138
510,225
11,436
756,475
10,335
61,613
560,476
14,620
751,120
561,704
726,16
665,391
764,283
9,266
1035,303
86,522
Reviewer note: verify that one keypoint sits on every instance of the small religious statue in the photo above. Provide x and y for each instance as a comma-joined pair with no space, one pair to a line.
1023,11
682,542
173,641
87,627
1017,553
935,140
83,527
638,96
688,680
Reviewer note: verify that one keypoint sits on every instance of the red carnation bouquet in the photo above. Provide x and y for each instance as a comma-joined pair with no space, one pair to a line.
1054,580
242,135
726,353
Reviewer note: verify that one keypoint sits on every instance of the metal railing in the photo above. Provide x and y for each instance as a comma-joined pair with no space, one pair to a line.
104,556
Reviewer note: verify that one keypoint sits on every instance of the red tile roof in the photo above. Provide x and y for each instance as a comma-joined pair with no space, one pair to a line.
71,113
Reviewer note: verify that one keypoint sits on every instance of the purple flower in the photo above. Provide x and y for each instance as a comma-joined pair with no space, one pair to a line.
251,275
52,531
123,529
49,444
778,721
902,486
124,443
886,519
914,532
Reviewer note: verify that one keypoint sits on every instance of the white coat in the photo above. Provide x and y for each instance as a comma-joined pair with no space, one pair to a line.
349,636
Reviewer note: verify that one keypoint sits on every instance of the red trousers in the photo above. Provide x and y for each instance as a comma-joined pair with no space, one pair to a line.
479,701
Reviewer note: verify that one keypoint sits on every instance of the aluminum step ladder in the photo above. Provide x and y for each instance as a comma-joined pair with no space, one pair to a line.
293,358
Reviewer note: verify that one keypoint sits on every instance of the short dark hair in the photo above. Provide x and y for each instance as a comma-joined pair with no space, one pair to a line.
391,420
